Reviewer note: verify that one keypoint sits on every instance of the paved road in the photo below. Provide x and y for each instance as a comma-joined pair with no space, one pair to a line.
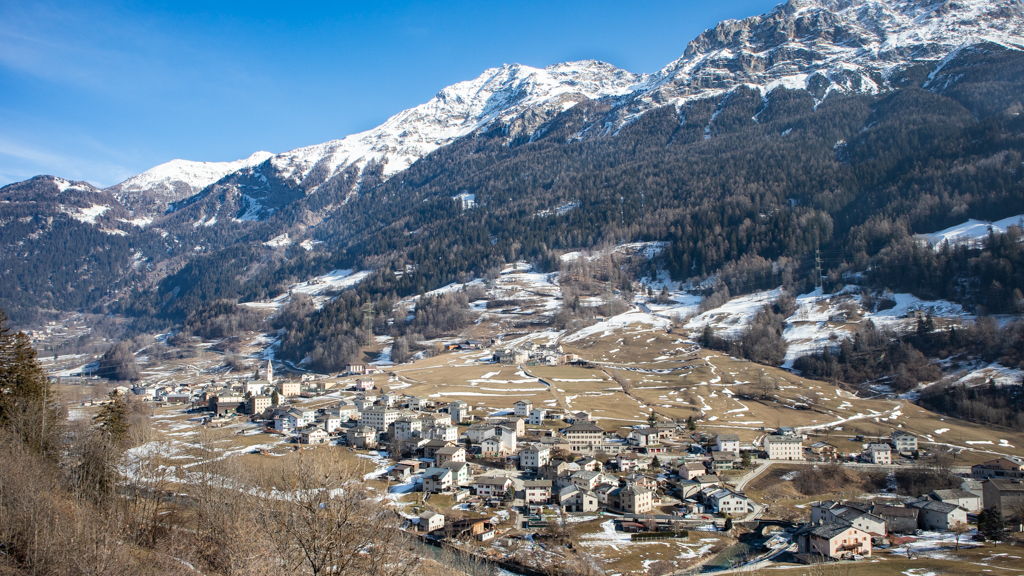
744,480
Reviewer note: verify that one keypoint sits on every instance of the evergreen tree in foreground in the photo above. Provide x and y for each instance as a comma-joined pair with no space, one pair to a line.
28,406
113,420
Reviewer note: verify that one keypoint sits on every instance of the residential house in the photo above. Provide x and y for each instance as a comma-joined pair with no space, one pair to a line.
1004,494
436,480
462,475
855,515
641,480
783,447
581,416
962,498
634,499
430,448
362,437
974,487
644,437
331,424
879,454
378,417
904,442
517,425
1002,467
585,480
629,462
257,404
898,519
828,452
313,436
289,389
536,417
430,521
407,428
691,470
724,461
590,464
459,411
725,501
522,408
449,454
346,410
419,404
441,432
533,456
938,515
833,541
583,436
479,530
573,499
536,491
728,443
492,486
477,433
223,404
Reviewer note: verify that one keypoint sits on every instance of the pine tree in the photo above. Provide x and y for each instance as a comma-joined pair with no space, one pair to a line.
991,525
27,405
275,398
113,420
656,463
690,424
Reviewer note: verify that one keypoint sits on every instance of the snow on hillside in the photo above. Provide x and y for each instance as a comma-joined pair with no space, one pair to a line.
499,94
795,46
628,323
194,175
317,287
89,215
970,232
731,318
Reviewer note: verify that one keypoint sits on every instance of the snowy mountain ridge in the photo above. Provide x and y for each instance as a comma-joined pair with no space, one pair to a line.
497,95
180,179
826,45
819,46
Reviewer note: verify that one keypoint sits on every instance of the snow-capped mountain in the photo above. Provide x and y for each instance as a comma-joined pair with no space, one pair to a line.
826,45
820,46
178,179
498,95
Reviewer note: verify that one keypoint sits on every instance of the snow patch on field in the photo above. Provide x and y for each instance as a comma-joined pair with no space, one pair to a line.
640,321
971,232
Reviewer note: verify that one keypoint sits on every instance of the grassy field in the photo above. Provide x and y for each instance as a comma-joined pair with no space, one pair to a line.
615,553
986,560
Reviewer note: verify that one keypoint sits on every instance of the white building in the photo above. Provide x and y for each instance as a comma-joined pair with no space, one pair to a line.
492,486
430,521
879,453
537,416
534,456
379,417
728,443
523,408
783,447
407,428
459,411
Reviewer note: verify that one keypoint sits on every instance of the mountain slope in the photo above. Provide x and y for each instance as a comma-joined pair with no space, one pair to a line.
152,190
615,156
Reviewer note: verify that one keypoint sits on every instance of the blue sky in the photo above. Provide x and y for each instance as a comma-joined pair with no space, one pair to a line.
99,91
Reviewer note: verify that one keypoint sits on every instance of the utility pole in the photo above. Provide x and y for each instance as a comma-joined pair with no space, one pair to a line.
817,269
